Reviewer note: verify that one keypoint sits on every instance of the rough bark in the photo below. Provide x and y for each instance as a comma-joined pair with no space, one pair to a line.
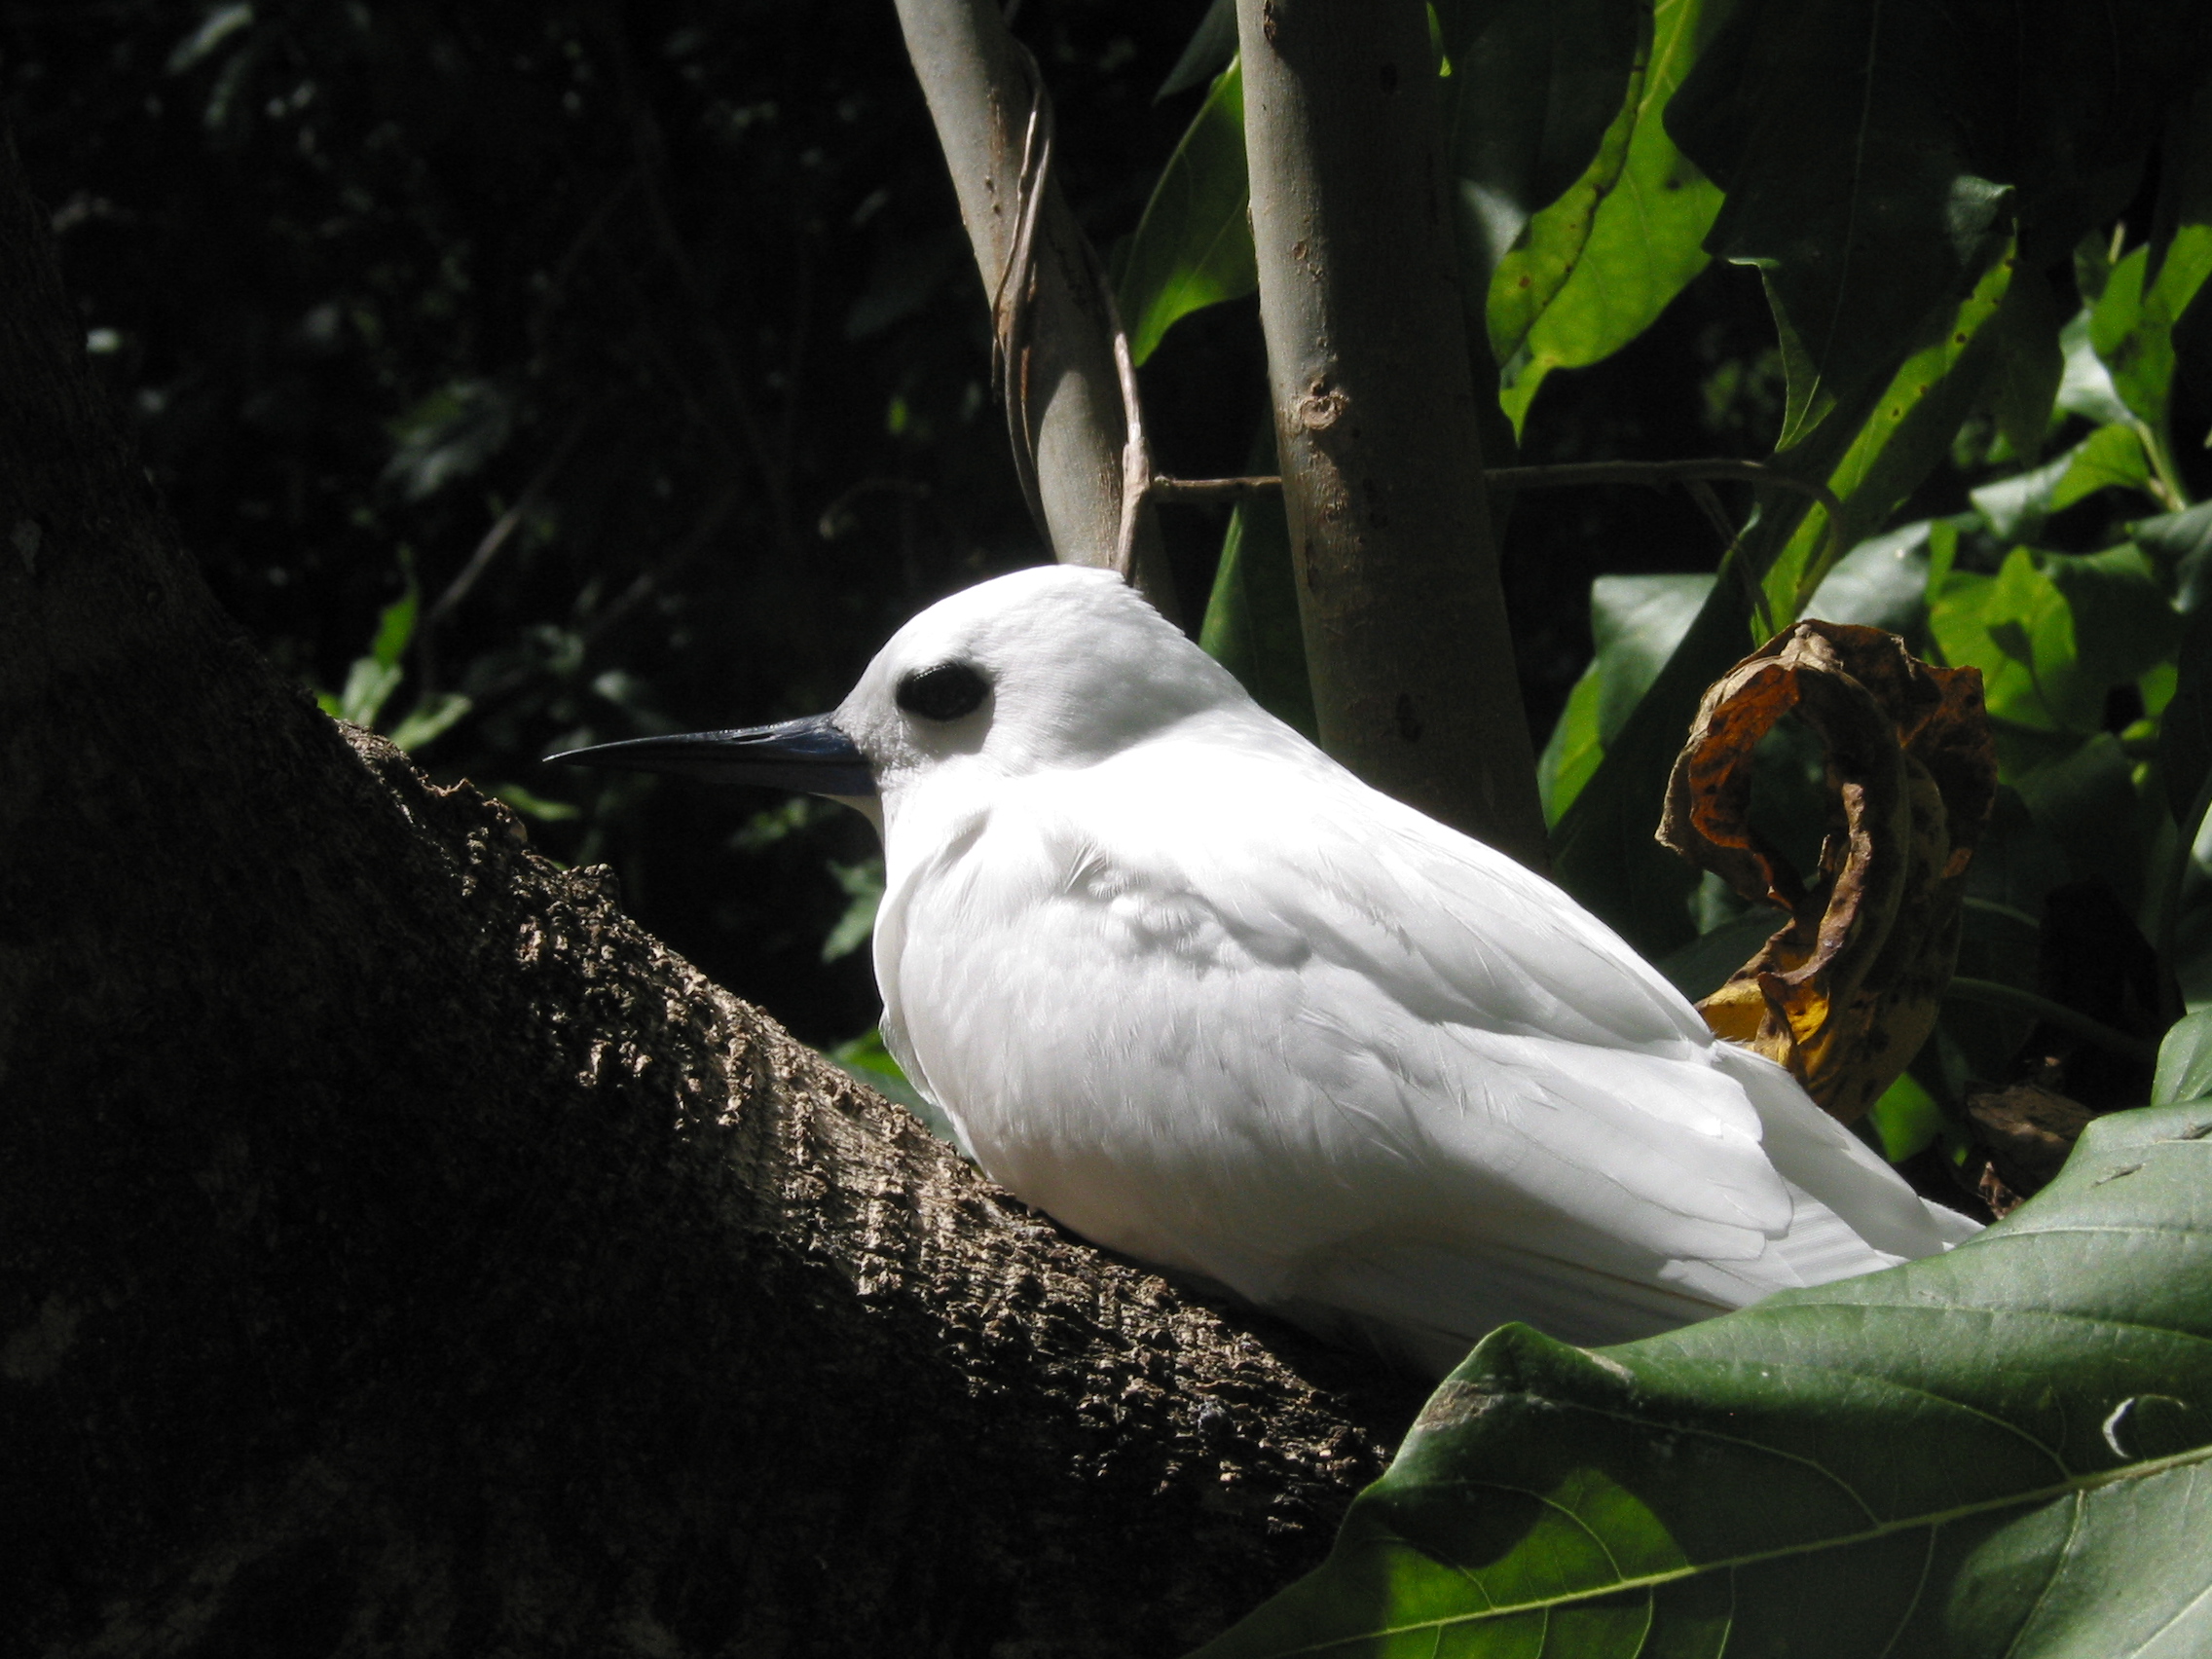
401,1253
1407,640
980,95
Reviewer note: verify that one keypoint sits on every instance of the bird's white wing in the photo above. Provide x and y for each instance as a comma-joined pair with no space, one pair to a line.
1218,1005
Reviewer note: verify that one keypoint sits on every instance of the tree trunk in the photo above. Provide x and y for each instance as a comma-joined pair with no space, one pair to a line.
401,1253
1405,634
981,95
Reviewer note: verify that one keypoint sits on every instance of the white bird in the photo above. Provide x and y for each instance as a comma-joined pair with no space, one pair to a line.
1186,985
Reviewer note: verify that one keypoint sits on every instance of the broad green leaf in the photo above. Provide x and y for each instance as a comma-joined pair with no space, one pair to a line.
2001,1452
2181,542
1604,850
1907,1119
1599,265
1636,622
2150,290
1534,87
2086,802
1251,625
1850,180
2132,328
2110,456
1212,48
2085,388
1571,756
2054,633
1193,244
1898,441
2185,1062
1880,583
2030,365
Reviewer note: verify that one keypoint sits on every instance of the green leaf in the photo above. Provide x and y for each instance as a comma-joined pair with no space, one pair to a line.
1900,437
2000,1452
2053,633
1907,1119
1636,622
2185,1061
1535,85
369,685
1849,176
1603,849
2151,289
1212,48
429,720
2085,388
2087,803
862,883
1594,269
2110,456
1251,625
2030,365
1193,244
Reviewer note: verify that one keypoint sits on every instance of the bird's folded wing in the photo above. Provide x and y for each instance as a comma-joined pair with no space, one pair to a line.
1255,1006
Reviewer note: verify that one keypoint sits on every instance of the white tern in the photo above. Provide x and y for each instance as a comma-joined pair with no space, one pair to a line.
1186,985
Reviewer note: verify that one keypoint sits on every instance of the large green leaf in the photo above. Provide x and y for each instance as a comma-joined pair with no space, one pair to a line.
1594,269
1868,150
2132,327
1533,87
1636,622
2054,633
1193,244
1900,438
2003,1453
1849,178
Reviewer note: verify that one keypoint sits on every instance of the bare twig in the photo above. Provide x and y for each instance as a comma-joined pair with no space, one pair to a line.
1013,295
1136,453
502,528
1213,488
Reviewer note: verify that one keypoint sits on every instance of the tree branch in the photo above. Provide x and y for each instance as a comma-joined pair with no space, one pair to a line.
394,1238
1065,395
1407,638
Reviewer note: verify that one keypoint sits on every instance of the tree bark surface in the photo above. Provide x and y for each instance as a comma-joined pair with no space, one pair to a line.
980,94
401,1253
1406,638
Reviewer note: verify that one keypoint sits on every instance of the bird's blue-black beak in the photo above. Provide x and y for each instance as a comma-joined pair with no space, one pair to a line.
810,756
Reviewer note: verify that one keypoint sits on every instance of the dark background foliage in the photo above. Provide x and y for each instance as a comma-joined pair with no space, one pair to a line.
643,340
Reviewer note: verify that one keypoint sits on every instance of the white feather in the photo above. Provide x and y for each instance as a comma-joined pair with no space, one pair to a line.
1188,985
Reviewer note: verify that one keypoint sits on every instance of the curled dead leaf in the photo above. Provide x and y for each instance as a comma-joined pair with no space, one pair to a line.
1847,991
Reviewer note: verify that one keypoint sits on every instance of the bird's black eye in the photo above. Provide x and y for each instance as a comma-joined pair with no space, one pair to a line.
944,692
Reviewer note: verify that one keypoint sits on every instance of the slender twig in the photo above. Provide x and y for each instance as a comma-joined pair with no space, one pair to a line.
1016,288
1213,488
1136,454
1993,993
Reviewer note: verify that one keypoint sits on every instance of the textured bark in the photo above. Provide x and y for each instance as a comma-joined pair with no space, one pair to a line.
401,1253
1406,632
978,92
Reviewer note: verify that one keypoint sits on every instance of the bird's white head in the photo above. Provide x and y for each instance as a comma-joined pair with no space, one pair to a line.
1054,667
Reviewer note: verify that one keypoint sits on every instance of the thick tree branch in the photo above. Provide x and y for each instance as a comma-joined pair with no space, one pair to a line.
401,1251
1063,393
1406,632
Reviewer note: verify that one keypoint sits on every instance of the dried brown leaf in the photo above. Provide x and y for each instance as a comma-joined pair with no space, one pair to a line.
1847,991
